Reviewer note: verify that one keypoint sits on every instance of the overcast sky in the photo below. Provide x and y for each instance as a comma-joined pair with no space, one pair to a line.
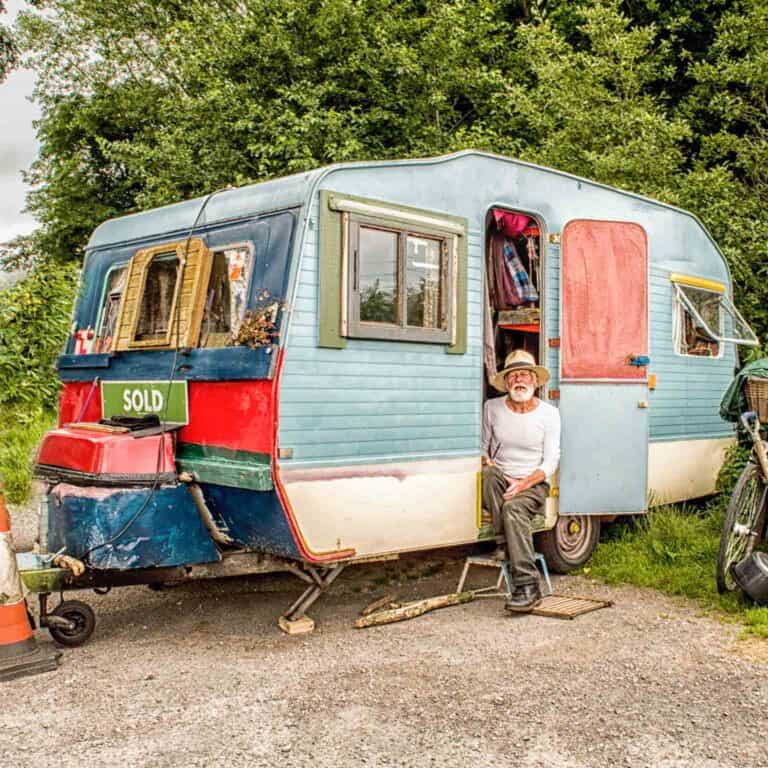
18,145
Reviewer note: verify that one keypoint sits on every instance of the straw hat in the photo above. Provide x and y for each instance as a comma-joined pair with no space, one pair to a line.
520,360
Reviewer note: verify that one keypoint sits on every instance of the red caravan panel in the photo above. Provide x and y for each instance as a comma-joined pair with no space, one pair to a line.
74,395
226,414
231,414
604,305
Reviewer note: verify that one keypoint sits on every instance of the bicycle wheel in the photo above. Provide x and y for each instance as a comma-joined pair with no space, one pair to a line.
742,526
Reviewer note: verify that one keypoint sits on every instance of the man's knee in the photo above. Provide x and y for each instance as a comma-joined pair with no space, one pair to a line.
515,511
523,508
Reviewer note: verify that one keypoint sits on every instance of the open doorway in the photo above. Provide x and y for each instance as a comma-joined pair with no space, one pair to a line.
514,289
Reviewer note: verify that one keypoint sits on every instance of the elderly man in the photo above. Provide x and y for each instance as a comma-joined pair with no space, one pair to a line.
521,450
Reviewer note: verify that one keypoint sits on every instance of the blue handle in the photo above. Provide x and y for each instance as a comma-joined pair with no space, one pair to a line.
640,360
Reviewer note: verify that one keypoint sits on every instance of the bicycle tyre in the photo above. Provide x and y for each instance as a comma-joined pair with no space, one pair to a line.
742,526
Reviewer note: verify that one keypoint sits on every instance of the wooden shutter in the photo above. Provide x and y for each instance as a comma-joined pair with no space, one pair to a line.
188,301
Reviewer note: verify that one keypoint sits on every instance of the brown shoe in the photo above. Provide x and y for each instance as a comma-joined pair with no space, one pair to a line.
524,599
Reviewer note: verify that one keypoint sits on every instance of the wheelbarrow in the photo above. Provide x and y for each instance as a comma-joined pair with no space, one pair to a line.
71,622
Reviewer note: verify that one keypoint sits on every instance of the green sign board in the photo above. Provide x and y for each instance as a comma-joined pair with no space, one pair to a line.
167,400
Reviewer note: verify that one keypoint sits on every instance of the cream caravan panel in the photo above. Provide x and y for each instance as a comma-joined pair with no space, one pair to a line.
684,469
386,507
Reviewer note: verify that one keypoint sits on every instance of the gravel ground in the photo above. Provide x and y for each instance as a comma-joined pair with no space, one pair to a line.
199,675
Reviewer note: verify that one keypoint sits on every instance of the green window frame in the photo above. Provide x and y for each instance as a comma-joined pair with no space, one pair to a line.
405,232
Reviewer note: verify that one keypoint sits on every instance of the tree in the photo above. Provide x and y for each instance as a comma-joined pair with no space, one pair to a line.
8,50
146,103
729,184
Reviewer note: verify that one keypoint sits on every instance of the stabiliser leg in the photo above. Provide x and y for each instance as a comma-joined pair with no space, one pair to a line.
294,621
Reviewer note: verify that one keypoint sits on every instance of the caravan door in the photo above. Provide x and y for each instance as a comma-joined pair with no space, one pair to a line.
603,373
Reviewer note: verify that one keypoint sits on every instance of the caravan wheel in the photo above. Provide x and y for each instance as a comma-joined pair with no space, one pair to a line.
570,543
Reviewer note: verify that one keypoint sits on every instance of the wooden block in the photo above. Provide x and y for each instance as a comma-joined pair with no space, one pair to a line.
298,627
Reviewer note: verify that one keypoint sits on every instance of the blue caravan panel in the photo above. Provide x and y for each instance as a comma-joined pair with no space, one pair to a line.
614,446
123,528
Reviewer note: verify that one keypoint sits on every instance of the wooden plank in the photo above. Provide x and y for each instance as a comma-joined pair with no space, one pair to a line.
568,606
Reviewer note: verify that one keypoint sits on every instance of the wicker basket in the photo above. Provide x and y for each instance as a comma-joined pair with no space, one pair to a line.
756,391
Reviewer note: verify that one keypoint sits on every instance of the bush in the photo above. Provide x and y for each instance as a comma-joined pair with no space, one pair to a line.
20,433
735,459
34,321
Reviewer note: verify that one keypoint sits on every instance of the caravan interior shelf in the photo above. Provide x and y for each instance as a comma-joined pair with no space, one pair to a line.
525,327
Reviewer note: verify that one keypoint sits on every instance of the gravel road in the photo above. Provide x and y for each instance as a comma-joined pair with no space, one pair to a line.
200,675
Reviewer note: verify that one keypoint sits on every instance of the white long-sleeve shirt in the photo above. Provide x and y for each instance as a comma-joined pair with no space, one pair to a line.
521,443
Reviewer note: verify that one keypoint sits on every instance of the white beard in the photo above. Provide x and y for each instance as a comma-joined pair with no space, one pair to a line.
520,395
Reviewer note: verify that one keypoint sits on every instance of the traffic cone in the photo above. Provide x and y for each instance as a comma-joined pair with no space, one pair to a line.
19,653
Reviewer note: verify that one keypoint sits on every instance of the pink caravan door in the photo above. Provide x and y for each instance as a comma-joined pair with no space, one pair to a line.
603,368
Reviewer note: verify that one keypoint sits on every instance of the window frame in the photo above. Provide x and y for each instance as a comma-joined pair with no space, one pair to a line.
400,331
249,246
166,339
195,261
682,303
681,306
103,296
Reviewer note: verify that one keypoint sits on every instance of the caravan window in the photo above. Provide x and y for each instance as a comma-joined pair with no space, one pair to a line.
158,299
705,318
110,307
391,272
399,282
226,296
691,336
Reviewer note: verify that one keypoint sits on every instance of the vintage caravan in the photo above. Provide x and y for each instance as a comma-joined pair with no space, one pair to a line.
316,353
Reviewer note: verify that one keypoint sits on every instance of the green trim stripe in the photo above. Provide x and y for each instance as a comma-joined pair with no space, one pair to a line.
330,275
225,466
459,347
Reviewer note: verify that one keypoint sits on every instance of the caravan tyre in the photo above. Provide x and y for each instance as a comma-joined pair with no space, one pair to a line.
570,543
83,620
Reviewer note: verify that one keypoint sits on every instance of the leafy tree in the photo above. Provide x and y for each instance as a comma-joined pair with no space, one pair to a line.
730,183
8,50
589,109
145,103
34,319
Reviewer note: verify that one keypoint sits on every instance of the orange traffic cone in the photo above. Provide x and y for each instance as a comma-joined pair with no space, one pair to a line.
19,653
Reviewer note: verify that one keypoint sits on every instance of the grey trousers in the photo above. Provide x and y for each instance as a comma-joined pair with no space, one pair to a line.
513,518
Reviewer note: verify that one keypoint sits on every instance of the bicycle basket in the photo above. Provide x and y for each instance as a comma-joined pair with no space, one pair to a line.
756,391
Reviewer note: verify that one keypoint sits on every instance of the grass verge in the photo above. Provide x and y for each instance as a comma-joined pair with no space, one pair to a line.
20,434
674,549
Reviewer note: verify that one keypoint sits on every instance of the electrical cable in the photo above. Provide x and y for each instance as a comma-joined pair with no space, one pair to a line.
159,465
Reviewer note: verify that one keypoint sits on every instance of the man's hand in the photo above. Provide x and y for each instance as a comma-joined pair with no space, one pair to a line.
514,487
523,484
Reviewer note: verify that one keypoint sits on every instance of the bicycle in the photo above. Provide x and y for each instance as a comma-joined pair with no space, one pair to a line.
745,518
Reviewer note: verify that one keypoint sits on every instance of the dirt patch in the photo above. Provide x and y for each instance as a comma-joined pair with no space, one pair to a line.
199,675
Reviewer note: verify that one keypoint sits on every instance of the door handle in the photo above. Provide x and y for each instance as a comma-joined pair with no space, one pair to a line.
640,361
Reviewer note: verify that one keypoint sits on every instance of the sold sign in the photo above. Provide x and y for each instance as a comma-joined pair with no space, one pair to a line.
165,399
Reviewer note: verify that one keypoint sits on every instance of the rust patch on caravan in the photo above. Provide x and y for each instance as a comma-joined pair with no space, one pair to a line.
342,473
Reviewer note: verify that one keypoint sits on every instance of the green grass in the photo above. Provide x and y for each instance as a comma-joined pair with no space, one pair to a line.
674,549
20,434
